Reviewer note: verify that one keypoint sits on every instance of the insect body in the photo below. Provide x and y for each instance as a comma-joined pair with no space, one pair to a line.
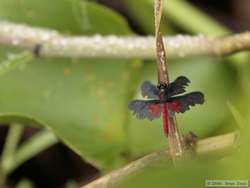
165,99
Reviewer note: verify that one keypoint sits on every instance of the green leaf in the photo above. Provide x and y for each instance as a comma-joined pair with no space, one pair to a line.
55,14
82,101
93,20
71,16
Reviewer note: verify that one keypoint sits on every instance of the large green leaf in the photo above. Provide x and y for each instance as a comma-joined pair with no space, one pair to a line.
72,16
56,14
81,101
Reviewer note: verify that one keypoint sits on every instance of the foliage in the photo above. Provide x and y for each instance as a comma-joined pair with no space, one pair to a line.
84,101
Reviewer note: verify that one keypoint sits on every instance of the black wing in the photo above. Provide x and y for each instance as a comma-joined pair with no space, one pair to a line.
183,103
149,90
178,86
142,109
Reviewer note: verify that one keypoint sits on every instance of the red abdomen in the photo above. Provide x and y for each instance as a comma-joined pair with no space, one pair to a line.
165,118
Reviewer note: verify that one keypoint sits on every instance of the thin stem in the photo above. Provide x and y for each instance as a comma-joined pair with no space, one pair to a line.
13,137
161,61
55,44
13,157
218,146
32,147
175,141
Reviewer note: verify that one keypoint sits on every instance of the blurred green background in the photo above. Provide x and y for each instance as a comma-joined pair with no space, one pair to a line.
65,122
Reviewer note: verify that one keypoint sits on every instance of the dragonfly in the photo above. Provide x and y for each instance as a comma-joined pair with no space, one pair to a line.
165,99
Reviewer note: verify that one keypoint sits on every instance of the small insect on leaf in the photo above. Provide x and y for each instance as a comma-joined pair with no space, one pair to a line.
152,107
